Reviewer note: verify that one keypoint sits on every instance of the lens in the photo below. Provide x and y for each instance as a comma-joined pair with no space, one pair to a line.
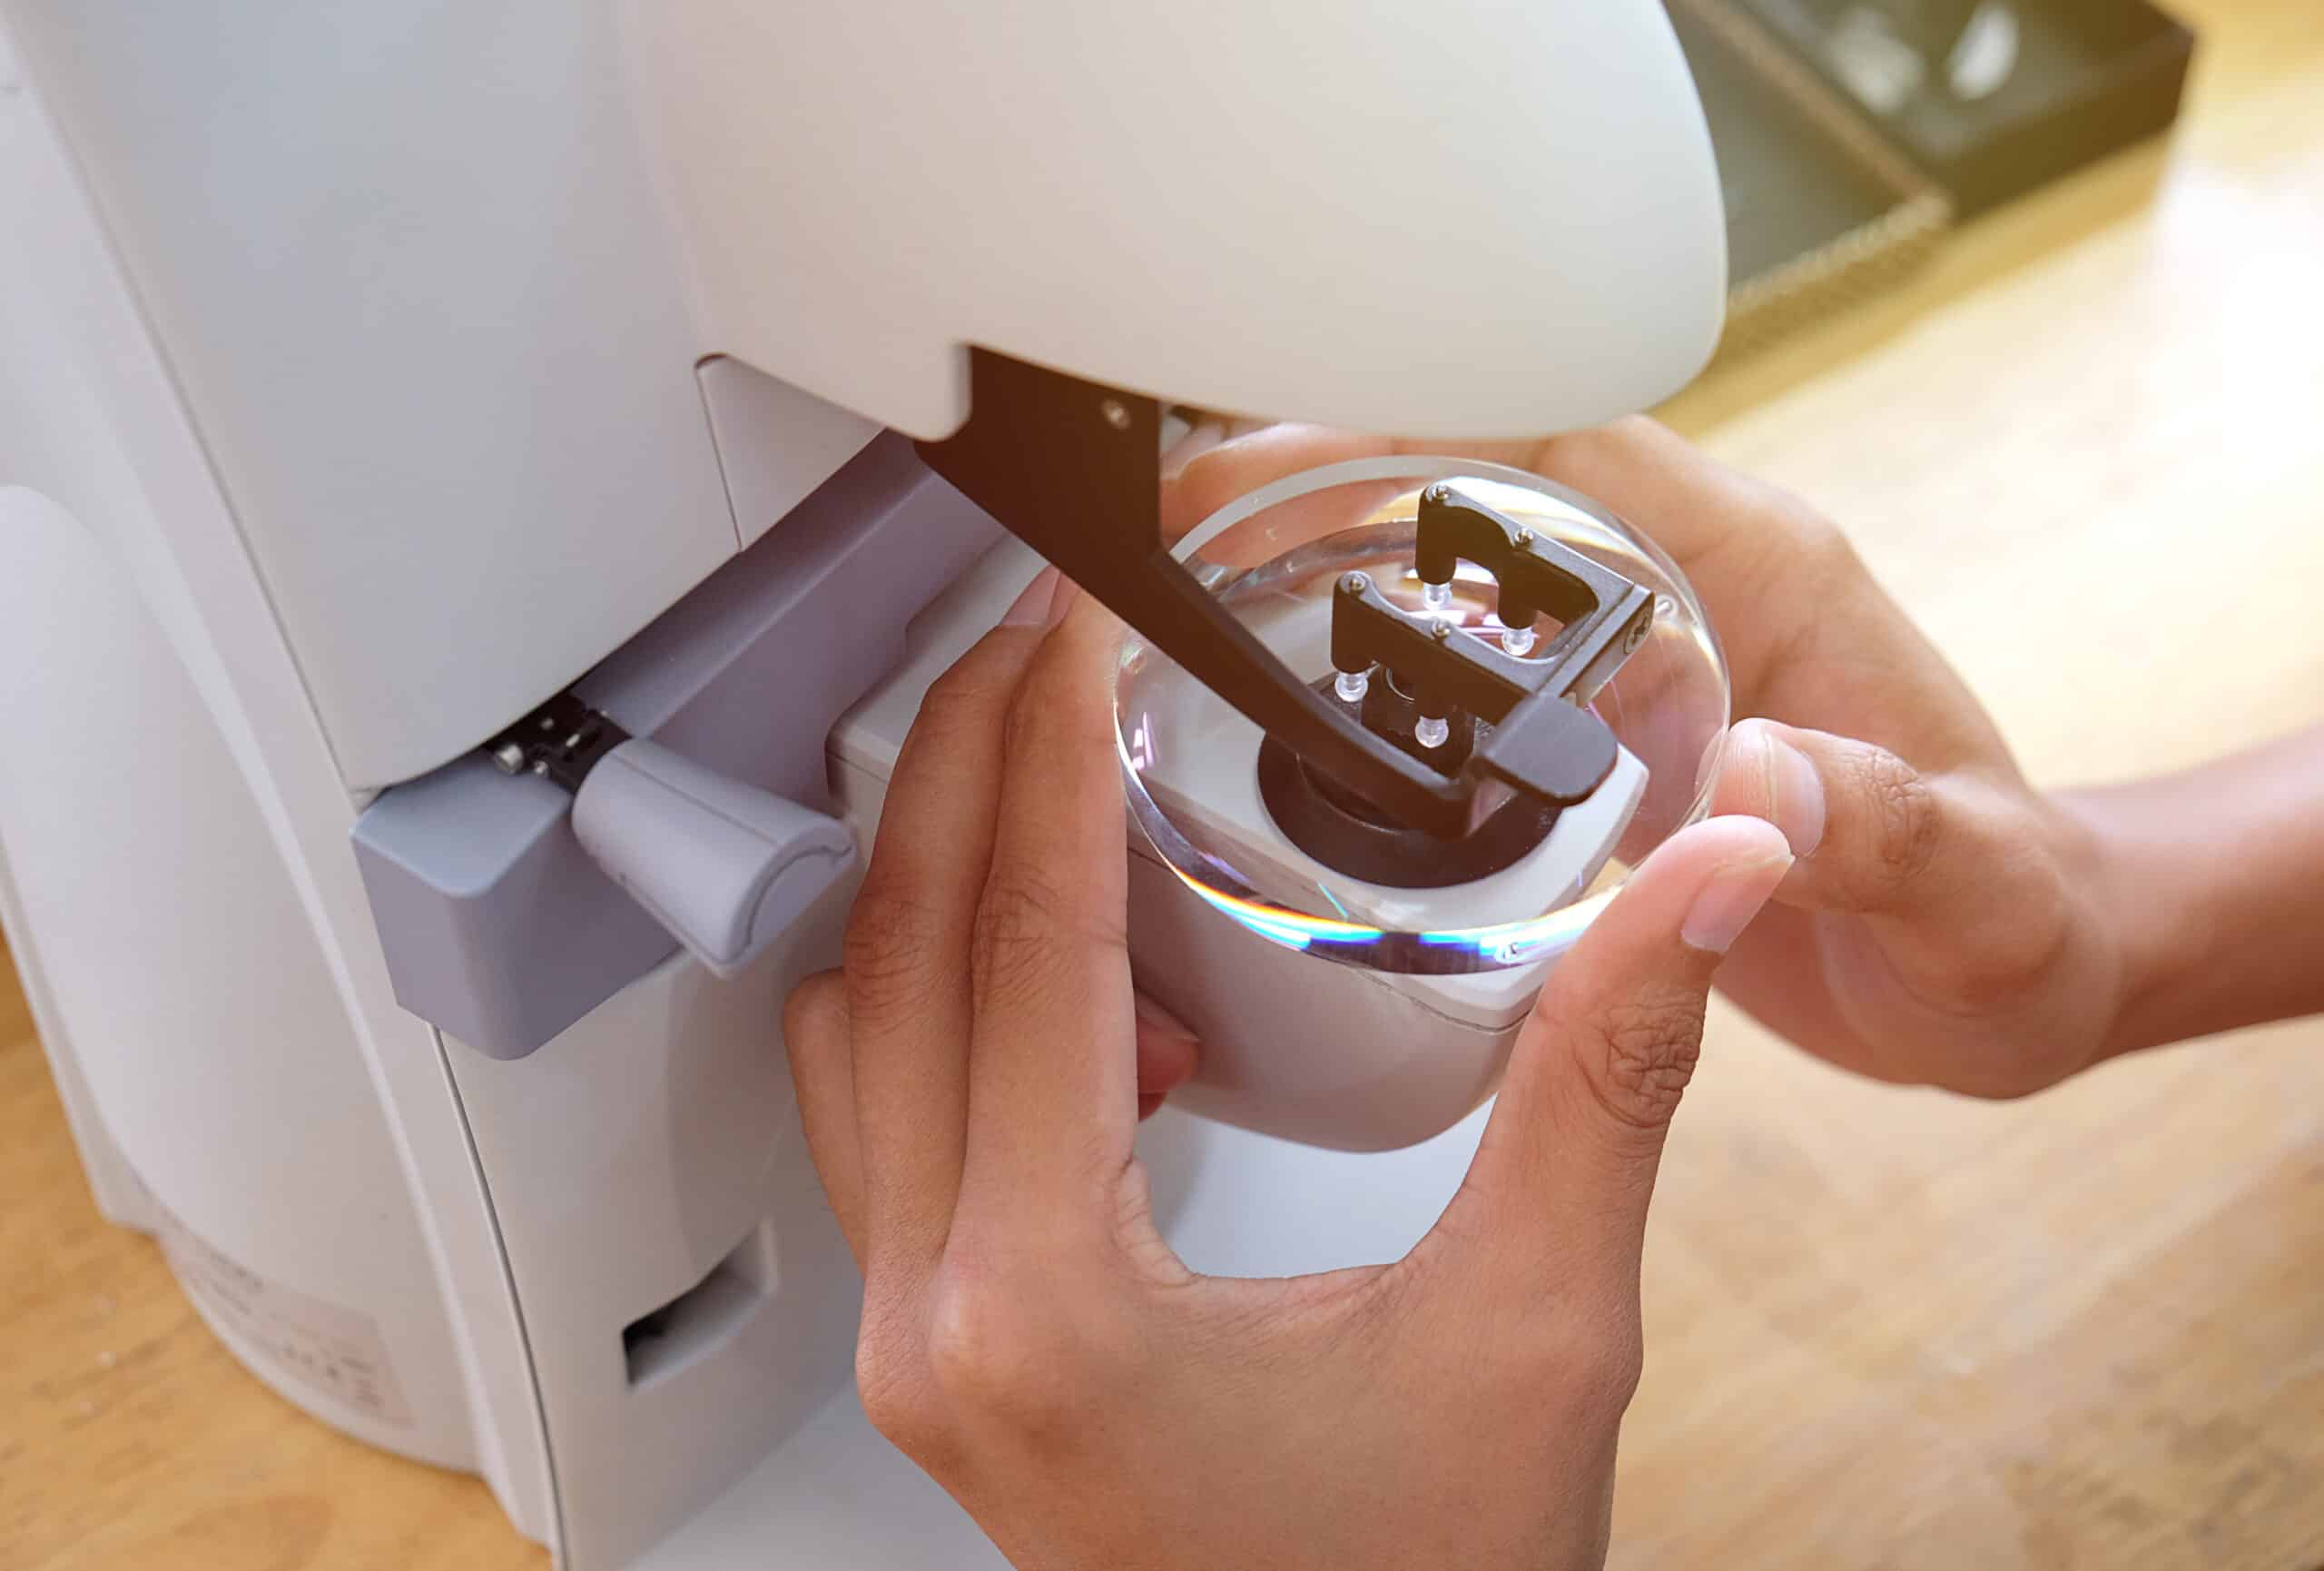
1193,766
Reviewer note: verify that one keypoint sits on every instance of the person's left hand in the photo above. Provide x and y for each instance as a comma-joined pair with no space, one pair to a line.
1947,924
970,1084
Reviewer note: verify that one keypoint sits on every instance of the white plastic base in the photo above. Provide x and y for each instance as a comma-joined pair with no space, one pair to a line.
1326,1054
837,1495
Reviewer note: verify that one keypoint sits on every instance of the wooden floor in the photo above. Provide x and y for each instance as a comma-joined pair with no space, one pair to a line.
1886,1330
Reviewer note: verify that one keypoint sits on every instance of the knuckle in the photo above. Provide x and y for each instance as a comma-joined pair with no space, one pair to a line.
1602,1372
968,695
994,1353
962,710
889,943
1791,544
1905,817
1997,968
1065,703
1811,542
1787,551
1024,726
959,713
1650,1043
1035,716
1589,1357
892,1382
1027,930
1994,981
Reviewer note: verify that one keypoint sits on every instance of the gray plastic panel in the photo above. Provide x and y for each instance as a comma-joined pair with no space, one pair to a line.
495,924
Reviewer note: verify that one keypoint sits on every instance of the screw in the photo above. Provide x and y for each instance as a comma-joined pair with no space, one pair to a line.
1431,731
1354,583
1117,413
1441,631
540,766
510,756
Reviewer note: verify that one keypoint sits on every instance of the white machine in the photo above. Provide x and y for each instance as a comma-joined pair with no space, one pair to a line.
465,569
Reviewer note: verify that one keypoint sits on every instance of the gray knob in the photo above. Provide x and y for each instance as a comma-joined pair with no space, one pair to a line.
724,866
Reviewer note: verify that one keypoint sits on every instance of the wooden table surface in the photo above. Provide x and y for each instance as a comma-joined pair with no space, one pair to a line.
1884,1328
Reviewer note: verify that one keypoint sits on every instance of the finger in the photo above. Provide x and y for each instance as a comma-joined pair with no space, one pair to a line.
1775,577
1872,833
1053,1068
1562,1179
1198,439
1222,472
1693,506
907,952
1168,1053
1951,879
1041,604
815,1036
1639,467
1768,570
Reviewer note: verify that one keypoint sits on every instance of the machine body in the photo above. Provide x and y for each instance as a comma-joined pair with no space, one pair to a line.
375,383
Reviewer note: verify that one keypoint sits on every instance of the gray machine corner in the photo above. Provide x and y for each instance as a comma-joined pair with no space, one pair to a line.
497,923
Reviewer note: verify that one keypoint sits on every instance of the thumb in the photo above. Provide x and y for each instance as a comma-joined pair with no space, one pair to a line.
1569,1158
1866,826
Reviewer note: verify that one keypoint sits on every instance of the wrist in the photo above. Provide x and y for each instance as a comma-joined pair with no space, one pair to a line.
2209,881
2112,865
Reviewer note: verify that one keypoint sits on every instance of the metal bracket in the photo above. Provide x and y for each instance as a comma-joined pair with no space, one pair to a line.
561,741
1541,738
1073,468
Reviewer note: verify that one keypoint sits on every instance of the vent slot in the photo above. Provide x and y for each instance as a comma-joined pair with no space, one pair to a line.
702,1319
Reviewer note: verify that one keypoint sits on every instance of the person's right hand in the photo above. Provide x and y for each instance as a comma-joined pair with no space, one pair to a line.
969,1083
1943,922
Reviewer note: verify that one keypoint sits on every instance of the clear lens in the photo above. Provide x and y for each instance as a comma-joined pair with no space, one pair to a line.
1190,761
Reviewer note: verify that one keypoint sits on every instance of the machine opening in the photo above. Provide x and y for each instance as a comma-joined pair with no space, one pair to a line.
700,1320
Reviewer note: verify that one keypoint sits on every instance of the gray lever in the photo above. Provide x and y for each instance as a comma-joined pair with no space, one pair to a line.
724,866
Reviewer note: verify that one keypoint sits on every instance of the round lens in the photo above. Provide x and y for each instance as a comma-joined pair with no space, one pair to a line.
1301,862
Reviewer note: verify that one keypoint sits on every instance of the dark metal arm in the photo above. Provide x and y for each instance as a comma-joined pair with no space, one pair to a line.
1073,468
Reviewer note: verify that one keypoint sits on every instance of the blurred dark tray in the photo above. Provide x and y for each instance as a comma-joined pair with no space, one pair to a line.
2092,78
1820,209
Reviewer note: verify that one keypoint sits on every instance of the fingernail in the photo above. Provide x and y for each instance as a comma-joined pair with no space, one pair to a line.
1190,447
1032,608
1161,1019
1793,791
1728,902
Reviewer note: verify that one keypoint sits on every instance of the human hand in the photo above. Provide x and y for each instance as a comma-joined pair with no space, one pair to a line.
969,1084
1945,922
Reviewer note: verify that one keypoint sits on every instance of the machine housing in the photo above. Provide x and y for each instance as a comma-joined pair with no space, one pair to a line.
369,377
